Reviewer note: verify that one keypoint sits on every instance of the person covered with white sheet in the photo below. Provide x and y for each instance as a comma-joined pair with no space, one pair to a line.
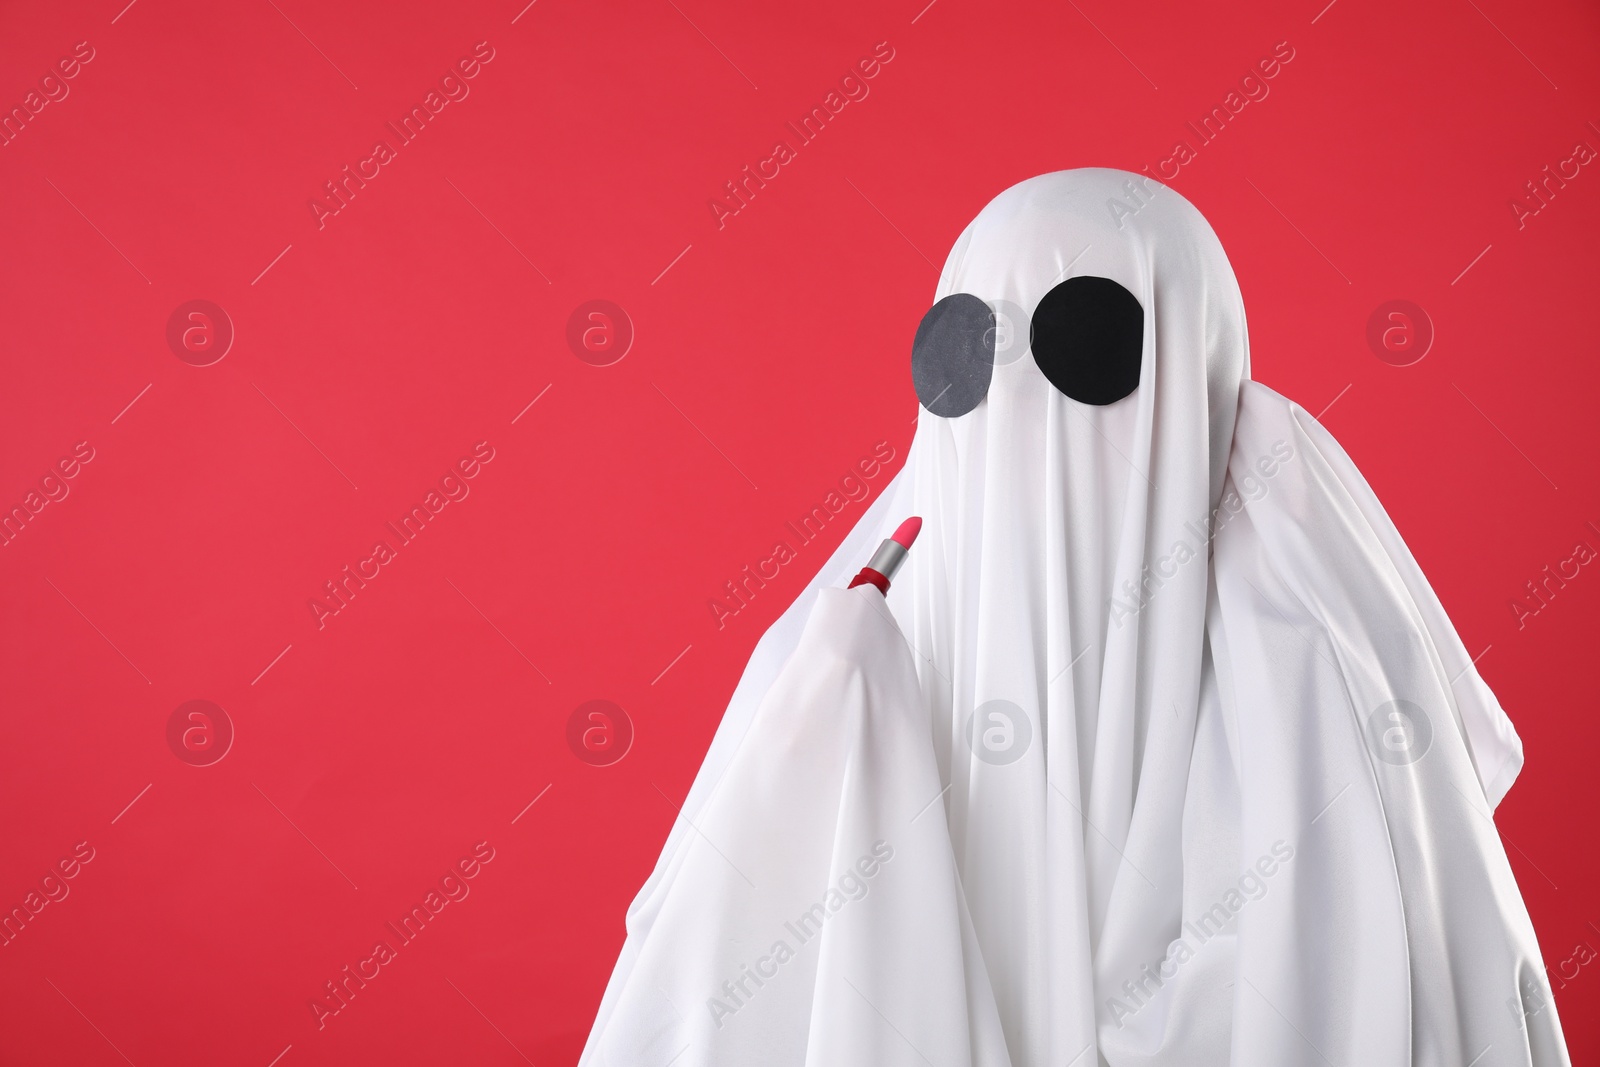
1164,751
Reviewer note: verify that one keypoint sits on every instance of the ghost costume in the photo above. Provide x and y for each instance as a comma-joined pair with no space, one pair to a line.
1160,751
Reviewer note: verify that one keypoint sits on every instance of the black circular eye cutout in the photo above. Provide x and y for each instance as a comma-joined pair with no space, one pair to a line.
952,358
1088,337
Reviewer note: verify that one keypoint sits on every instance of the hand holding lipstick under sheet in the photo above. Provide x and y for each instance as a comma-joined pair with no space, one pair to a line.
819,876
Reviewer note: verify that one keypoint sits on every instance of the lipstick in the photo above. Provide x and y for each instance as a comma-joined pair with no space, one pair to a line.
881,568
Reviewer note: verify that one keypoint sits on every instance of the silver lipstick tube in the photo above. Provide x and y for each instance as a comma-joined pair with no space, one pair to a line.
888,558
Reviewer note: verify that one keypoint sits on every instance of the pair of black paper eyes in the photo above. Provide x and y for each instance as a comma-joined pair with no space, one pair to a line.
1087,337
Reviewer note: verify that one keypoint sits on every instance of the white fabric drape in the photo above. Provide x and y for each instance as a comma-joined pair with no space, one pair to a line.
1179,757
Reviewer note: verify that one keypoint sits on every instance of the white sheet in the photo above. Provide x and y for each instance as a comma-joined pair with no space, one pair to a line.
1187,827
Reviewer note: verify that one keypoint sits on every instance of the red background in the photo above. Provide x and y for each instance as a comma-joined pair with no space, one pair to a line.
770,355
